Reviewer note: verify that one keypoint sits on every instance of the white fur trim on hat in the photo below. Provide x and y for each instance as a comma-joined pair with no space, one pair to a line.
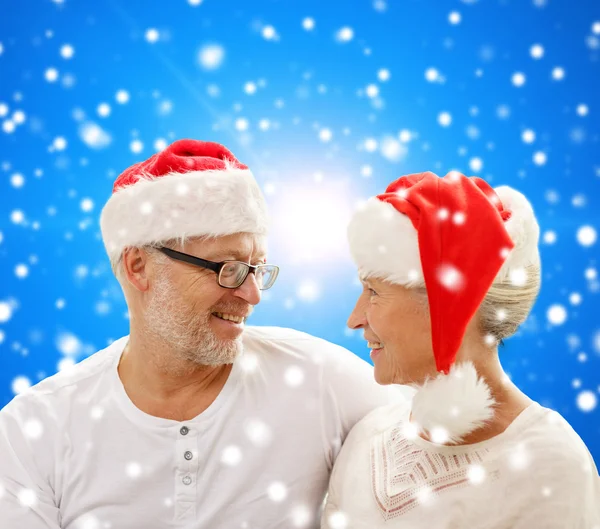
449,407
179,205
524,231
384,244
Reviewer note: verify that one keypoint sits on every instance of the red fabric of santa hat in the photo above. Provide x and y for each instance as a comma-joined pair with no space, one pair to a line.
191,188
456,236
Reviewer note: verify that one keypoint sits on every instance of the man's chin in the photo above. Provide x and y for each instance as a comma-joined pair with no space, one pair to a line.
221,352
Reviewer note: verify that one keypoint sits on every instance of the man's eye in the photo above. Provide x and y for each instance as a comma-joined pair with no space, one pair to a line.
372,292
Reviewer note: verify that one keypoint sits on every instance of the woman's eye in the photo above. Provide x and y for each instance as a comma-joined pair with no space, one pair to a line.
372,292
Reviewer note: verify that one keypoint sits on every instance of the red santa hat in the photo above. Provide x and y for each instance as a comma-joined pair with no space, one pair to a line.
191,188
456,236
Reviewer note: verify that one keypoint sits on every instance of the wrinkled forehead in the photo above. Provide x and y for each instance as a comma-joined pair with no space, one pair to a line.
373,281
239,246
367,279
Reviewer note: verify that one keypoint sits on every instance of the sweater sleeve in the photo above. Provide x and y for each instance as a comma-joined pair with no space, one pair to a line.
26,463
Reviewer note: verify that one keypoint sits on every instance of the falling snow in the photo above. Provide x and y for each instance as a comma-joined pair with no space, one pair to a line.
344,34
308,101
557,314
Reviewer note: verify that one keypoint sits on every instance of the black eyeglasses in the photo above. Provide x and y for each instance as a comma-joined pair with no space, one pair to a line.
230,274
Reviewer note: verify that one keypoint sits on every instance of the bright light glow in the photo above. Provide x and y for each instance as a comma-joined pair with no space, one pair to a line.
311,223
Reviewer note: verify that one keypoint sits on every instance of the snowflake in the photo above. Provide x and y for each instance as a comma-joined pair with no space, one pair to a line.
33,429
476,164
67,51
519,458
136,146
371,144
476,474
540,158
536,51
133,470
20,384
152,35
86,205
518,277
325,135
21,271
308,24
372,91
294,376
68,344
269,33
277,492
454,18
558,73
242,124
308,290
59,143
556,314
384,75
518,79
450,277
586,236
392,149
338,520
231,456
122,97
94,136
587,401
444,119
211,56
51,75
17,180
345,34
27,498
250,88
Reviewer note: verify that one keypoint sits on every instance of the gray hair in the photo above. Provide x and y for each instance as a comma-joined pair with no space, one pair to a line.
507,305
116,263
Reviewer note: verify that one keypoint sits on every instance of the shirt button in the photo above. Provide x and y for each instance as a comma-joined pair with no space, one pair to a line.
188,455
184,430
187,480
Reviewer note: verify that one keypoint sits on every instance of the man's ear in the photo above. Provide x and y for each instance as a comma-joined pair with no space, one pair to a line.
136,264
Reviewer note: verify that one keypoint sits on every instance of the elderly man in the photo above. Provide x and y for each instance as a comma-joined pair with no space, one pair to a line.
191,421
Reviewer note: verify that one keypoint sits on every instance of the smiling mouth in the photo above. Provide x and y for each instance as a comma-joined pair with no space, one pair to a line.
229,317
374,345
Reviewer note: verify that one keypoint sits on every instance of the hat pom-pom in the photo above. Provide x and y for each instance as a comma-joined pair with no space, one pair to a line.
451,406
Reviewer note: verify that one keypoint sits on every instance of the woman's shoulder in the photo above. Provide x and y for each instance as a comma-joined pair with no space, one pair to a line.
548,448
545,429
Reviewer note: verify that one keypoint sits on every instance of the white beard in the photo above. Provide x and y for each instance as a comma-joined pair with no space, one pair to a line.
187,332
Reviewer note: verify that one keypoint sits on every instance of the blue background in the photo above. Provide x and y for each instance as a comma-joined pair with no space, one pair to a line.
322,128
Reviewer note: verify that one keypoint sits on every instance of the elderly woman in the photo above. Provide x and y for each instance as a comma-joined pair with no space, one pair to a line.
450,267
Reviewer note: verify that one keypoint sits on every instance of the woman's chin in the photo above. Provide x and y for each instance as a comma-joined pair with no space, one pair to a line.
382,376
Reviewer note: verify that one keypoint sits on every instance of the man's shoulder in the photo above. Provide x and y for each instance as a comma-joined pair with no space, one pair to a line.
66,382
281,348
385,417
